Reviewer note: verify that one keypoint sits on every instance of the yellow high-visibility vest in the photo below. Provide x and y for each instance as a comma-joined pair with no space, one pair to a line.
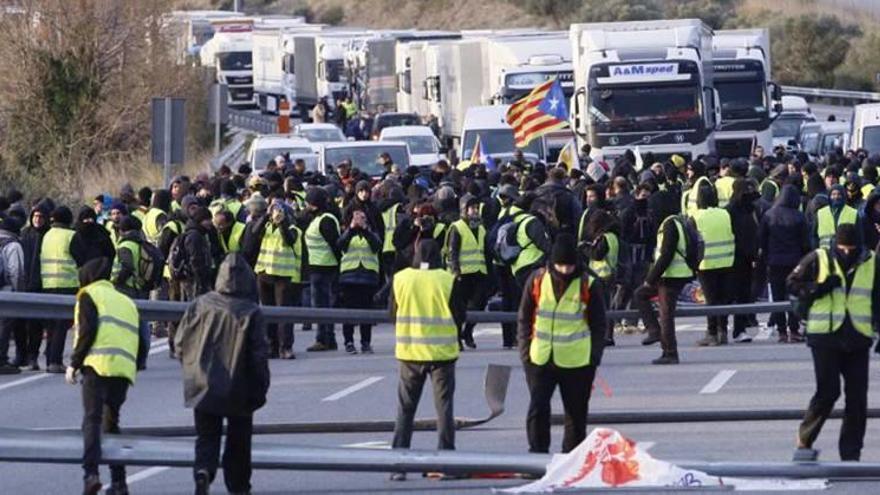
150,227
724,187
561,332
471,255
389,218
678,267
57,266
135,250
114,352
320,253
424,327
234,243
530,253
359,255
827,226
715,226
277,258
828,312
605,268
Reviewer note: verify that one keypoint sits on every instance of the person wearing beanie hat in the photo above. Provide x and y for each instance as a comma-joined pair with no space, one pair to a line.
322,239
427,309
838,289
830,217
468,258
90,240
561,331
58,275
126,263
29,337
199,277
12,261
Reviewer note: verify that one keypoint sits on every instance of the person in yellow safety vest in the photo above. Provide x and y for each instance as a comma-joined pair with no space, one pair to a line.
724,183
427,308
392,212
180,186
599,245
157,216
534,241
715,226
869,179
853,187
144,199
107,352
511,294
829,217
118,211
841,288
358,275
689,197
125,274
58,275
322,236
279,273
468,259
349,107
562,326
229,231
665,279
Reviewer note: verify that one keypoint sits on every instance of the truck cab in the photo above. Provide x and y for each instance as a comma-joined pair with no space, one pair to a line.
866,128
229,52
646,84
749,100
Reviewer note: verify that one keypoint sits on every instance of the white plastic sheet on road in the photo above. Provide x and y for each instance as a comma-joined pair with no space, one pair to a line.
607,459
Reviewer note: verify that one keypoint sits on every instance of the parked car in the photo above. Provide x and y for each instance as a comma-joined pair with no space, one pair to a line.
364,155
318,133
393,119
266,147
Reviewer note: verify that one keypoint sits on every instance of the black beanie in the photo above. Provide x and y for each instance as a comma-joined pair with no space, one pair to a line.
564,250
847,235
201,214
129,224
62,215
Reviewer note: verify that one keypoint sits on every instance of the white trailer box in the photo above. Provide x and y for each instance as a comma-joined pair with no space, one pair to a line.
647,84
272,56
866,128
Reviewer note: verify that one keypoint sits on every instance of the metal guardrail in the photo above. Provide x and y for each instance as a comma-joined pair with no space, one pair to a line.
36,306
253,121
233,154
832,94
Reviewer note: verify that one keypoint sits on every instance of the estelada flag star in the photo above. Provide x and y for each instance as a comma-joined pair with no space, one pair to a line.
541,111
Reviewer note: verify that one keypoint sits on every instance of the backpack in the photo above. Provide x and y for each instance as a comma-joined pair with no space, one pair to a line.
151,267
505,247
178,263
695,247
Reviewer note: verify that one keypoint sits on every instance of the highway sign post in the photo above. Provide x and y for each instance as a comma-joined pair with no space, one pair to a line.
168,134
218,112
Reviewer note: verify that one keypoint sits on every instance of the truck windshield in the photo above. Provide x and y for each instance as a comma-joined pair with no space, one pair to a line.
646,108
235,61
871,139
365,158
334,70
497,141
741,99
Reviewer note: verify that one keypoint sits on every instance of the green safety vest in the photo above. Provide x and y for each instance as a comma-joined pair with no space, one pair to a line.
299,199
424,327
57,266
320,253
151,228
110,228
828,312
530,253
234,243
678,267
173,226
724,187
389,218
605,268
350,109
771,183
715,227
139,214
277,258
359,255
560,331
827,226
581,224
135,249
689,198
471,255
114,351
867,189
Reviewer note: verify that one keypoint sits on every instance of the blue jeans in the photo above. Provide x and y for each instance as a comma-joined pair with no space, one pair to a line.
322,287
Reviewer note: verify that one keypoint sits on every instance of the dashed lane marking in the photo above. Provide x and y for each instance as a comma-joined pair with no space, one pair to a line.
718,381
144,474
22,381
352,389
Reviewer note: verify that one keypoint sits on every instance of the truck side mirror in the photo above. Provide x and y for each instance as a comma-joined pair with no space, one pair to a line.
777,107
578,101
775,91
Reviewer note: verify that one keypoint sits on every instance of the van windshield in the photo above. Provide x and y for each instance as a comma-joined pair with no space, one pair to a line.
497,141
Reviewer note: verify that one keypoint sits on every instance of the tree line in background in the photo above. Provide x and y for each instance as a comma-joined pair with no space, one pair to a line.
807,50
76,79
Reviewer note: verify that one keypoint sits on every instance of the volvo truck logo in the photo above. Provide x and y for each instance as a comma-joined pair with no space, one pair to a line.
679,138
613,140
646,139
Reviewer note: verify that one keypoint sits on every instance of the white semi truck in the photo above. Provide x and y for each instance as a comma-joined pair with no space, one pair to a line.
191,29
749,99
647,84
518,63
273,57
319,67
229,53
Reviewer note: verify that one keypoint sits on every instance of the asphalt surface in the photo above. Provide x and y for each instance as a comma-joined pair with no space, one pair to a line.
336,386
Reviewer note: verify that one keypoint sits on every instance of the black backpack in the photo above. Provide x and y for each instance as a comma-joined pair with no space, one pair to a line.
695,247
151,267
178,262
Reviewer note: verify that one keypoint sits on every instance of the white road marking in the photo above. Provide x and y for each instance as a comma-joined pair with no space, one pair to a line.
493,330
379,444
352,389
718,381
146,473
22,381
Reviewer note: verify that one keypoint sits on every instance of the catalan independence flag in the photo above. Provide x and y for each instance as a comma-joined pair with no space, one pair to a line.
541,111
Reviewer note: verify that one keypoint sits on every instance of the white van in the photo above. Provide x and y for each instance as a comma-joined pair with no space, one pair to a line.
424,148
496,136
266,147
866,127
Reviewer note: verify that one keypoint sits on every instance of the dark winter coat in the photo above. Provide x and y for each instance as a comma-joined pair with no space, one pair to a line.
223,345
784,234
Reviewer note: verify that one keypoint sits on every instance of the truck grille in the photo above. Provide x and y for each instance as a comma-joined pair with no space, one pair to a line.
734,148
239,80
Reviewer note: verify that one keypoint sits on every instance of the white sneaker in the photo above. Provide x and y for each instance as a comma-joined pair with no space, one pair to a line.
743,338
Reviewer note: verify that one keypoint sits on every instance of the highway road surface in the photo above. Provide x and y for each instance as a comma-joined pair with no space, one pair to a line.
337,386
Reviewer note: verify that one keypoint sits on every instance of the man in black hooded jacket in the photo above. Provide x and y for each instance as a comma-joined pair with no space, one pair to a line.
225,373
